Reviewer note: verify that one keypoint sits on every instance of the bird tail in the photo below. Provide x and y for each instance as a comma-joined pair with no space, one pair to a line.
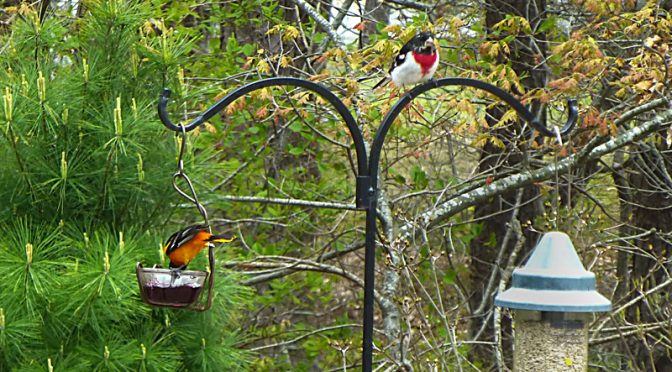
380,83
221,238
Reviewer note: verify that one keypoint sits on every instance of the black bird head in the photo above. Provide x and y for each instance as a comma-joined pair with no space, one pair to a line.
423,43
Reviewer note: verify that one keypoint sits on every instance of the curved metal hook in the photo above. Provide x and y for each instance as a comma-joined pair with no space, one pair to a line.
572,117
181,174
163,115
523,112
356,135
319,89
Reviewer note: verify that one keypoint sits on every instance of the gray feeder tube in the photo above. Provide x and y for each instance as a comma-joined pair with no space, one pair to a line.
552,297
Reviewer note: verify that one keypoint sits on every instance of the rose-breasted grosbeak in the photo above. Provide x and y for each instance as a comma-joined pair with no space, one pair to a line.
416,62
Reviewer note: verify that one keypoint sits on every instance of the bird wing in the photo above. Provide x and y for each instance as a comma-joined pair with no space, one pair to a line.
182,236
401,56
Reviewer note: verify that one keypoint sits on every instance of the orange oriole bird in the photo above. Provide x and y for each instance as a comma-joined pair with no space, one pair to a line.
185,244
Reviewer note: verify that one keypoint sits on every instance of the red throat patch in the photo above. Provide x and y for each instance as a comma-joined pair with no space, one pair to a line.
426,61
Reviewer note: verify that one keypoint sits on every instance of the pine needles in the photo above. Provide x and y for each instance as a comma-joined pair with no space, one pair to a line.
84,192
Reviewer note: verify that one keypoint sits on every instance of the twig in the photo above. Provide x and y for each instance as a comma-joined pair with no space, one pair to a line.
412,4
287,201
634,301
641,109
638,329
323,23
297,339
338,20
489,288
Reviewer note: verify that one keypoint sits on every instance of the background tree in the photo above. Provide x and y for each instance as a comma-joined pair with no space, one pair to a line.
515,25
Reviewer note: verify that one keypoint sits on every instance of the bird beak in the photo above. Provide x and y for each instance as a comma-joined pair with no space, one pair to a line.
430,43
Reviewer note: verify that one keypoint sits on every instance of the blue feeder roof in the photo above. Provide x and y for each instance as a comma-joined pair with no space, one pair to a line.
553,279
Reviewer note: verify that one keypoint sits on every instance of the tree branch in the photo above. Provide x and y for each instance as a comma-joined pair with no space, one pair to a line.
321,21
286,201
641,109
412,4
294,264
634,330
299,338
634,301
496,269
481,194
281,272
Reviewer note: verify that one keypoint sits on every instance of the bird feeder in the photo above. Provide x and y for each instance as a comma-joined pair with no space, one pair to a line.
178,289
552,297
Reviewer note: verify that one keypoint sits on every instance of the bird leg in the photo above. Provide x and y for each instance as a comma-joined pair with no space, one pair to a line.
176,272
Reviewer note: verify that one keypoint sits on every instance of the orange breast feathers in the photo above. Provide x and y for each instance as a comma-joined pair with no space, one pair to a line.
186,252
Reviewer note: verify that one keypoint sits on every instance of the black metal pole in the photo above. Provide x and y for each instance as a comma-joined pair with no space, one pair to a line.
369,283
367,167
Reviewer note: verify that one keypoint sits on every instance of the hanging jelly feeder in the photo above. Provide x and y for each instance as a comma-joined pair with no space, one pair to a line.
169,288
163,288
173,287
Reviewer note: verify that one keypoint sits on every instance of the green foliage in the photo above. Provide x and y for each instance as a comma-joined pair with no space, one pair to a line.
84,193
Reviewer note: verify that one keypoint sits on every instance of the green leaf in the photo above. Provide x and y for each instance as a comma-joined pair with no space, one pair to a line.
449,277
419,177
248,49
296,127
549,23
296,151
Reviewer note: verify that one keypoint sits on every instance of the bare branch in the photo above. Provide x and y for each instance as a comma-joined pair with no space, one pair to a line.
412,4
282,272
634,330
634,301
489,288
305,335
641,109
287,201
323,23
